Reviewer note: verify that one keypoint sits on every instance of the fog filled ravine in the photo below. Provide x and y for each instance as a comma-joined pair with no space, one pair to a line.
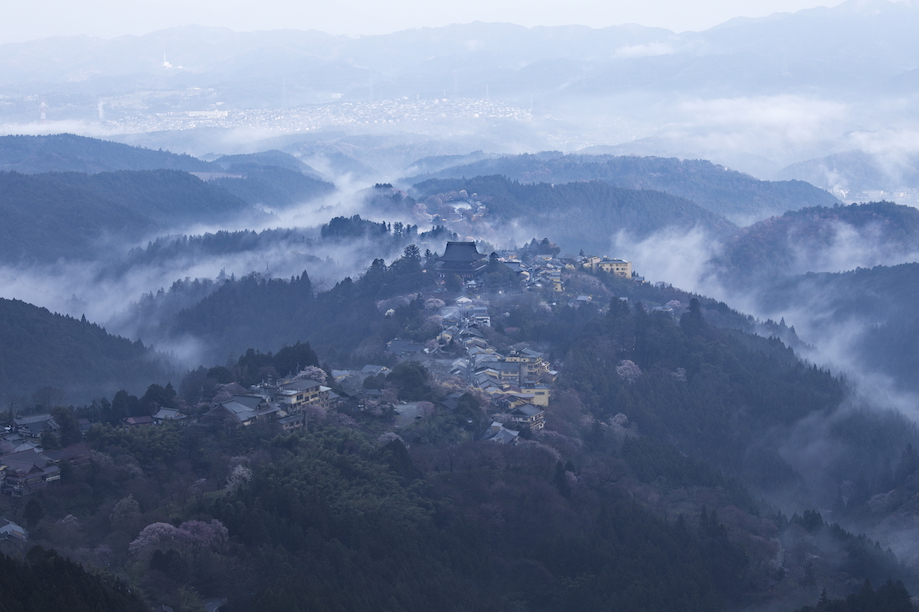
475,317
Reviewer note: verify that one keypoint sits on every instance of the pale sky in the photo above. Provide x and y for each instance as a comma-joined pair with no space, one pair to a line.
109,18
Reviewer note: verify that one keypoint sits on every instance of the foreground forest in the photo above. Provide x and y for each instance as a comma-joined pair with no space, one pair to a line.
659,482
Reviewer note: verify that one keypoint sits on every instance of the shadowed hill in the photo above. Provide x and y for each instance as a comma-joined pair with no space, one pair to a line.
819,240
40,349
583,215
713,187
55,215
71,153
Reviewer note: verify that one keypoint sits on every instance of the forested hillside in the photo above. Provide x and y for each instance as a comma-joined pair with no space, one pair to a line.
582,215
40,349
818,239
616,502
71,153
71,215
876,306
265,313
46,581
720,190
272,186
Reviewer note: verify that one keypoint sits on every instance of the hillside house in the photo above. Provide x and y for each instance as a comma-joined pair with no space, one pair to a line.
11,531
529,416
26,472
244,409
33,426
498,434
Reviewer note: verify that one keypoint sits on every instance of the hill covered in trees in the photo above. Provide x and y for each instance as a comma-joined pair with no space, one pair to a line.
874,306
72,153
583,215
641,492
720,190
70,215
45,581
818,239
39,349
272,186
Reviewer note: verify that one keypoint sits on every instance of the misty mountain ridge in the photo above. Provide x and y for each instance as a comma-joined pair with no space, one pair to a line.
271,179
871,314
284,69
818,239
582,215
72,215
499,45
852,173
722,191
72,153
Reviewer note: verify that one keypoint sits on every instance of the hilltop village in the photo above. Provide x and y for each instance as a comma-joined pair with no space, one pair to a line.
509,384
488,401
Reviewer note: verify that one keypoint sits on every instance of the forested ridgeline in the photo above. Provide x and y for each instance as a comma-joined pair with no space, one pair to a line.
72,153
39,349
817,239
876,307
862,171
583,215
70,215
713,187
264,313
272,186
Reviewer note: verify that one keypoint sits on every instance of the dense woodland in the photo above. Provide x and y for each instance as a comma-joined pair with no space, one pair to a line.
73,215
272,186
45,350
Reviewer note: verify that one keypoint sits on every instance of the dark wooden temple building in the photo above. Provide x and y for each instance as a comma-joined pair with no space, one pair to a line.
462,259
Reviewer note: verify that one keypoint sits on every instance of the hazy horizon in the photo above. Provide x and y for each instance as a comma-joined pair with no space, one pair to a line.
107,19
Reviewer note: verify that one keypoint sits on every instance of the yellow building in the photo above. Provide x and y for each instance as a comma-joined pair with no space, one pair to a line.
540,394
619,267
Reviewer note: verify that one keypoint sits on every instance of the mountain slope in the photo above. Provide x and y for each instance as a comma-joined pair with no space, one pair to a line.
580,215
48,216
819,240
715,188
40,349
68,152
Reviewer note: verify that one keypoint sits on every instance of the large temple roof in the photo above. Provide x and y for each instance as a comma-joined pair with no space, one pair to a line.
460,252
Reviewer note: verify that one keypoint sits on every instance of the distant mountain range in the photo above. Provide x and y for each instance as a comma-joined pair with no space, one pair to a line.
855,172
805,49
